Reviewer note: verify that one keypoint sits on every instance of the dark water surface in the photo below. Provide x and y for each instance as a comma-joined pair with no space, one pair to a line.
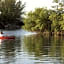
32,49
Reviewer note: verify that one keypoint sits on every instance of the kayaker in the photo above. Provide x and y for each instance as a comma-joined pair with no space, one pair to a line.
1,32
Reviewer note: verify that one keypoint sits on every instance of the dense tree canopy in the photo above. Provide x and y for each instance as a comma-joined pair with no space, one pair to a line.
11,11
37,20
42,20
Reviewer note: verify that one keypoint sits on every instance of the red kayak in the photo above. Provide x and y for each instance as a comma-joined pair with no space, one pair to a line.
7,37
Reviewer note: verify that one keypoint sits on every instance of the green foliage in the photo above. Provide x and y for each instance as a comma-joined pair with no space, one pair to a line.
11,11
38,19
59,6
56,1
42,19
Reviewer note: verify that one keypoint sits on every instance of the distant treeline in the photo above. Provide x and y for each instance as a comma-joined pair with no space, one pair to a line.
44,20
10,14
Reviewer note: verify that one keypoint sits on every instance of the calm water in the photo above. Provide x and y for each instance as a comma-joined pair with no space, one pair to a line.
31,49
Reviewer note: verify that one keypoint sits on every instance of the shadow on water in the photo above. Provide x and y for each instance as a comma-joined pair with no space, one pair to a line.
32,49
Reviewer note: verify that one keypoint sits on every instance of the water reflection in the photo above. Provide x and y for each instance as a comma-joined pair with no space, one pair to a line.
8,51
35,49
47,49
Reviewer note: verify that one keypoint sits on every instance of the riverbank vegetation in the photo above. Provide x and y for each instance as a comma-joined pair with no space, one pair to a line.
11,14
44,20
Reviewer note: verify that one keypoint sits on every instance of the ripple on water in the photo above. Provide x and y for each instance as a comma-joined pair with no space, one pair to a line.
36,49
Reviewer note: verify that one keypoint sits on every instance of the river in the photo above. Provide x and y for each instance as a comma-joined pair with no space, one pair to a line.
30,48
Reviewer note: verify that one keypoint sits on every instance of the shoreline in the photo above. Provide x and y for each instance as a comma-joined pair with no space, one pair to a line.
51,33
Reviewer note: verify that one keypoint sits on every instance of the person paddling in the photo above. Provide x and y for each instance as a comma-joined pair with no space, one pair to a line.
1,32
